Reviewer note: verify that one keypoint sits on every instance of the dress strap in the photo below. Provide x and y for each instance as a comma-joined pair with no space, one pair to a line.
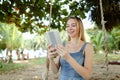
83,47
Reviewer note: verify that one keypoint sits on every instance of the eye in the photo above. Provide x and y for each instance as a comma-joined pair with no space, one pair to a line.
73,25
67,26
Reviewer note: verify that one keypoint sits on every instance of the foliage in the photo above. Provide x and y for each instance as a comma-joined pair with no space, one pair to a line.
1,64
37,42
2,46
111,11
100,58
112,39
38,61
29,15
11,37
17,66
96,37
11,66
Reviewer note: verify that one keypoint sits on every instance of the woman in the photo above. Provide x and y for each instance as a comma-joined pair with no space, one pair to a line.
75,58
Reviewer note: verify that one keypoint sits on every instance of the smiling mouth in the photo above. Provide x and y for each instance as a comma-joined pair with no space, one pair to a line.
70,32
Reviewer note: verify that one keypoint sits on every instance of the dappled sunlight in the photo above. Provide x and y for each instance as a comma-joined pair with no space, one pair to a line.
21,61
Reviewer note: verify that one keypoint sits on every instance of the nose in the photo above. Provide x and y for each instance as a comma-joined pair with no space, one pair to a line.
70,28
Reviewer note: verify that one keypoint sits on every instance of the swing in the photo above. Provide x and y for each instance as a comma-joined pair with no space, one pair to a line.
53,37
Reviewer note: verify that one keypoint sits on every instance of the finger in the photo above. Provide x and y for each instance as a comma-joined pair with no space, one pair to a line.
51,49
53,55
49,46
61,46
59,51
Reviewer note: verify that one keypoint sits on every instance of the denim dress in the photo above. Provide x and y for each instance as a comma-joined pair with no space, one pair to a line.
67,72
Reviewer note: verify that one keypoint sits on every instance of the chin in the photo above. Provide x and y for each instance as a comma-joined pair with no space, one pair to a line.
72,36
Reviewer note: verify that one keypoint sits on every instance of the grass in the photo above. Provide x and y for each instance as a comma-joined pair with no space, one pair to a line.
114,57
7,67
11,66
100,58
38,61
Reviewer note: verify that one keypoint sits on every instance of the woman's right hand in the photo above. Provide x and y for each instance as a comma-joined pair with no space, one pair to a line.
51,52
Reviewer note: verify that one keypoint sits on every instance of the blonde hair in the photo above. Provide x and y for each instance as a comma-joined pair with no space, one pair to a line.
81,29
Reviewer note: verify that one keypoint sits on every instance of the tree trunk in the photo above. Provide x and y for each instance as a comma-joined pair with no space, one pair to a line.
10,57
7,52
18,54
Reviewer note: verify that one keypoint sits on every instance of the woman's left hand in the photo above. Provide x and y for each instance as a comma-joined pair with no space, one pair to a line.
63,51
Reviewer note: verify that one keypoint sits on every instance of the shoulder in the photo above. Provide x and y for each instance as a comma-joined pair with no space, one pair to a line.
89,51
89,47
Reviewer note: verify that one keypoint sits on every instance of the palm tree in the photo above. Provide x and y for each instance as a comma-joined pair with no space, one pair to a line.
96,37
11,37
114,39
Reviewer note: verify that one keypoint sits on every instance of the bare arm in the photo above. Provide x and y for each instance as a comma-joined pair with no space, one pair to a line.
55,65
52,54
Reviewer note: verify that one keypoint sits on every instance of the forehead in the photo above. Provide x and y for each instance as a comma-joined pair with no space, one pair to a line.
70,21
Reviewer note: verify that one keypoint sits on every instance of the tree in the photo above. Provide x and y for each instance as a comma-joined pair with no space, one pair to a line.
28,15
113,39
11,38
111,10
96,40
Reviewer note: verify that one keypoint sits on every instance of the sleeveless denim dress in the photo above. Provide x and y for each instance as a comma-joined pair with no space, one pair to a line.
67,72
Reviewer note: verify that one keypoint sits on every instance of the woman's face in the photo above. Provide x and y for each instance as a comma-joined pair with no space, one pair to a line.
72,28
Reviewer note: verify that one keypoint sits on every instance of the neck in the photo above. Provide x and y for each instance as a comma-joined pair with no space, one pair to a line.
74,40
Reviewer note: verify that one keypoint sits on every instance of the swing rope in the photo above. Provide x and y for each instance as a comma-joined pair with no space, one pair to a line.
50,14
45,74
104,33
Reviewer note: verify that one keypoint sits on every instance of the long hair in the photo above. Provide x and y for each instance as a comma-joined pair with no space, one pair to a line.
81,28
